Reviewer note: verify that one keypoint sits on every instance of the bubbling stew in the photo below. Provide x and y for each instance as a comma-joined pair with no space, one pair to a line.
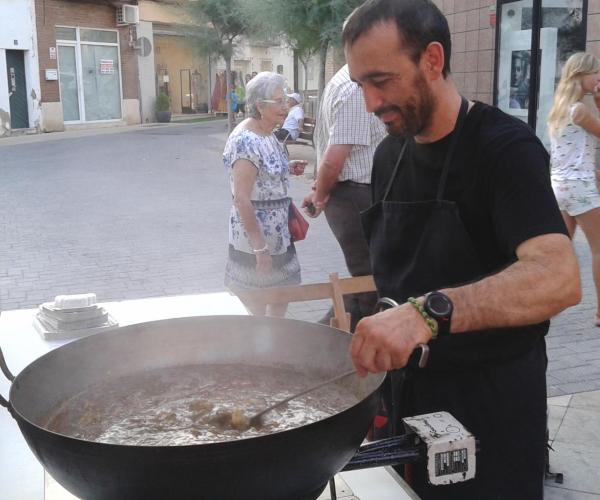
188,405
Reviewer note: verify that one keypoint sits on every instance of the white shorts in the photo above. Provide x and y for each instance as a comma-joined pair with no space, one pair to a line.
576,197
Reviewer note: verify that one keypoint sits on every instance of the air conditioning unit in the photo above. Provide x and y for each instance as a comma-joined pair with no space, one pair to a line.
128,14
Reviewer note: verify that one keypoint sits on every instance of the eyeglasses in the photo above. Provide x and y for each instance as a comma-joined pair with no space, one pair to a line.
278,102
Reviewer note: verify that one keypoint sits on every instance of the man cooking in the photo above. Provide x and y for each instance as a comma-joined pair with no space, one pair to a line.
466,235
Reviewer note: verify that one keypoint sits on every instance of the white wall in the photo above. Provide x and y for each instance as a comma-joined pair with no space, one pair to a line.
17,32
15,24
146,74
254,55
313,74
285,57
4,104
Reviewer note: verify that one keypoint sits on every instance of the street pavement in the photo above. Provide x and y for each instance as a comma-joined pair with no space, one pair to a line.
141,212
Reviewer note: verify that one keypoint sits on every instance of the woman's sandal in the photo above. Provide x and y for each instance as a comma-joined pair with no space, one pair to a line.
597,321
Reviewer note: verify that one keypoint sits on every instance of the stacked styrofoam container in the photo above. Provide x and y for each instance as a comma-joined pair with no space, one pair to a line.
72,316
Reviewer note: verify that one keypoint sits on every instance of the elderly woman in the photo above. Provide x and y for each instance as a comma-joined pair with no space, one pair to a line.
261,252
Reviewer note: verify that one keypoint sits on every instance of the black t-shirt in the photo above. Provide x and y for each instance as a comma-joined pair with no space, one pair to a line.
499,177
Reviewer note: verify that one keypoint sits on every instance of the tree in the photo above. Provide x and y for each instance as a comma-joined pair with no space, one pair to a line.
218,24
310,26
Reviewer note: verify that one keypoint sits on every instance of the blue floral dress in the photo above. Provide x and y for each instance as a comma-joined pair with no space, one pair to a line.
271,204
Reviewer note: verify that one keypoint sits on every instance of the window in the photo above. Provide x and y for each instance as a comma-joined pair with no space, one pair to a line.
559,31
98,36
68,34
89,74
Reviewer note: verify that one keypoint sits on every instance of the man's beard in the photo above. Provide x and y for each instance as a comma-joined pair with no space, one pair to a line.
416,114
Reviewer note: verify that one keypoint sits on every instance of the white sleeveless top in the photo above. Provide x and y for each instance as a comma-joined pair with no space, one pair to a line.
572,155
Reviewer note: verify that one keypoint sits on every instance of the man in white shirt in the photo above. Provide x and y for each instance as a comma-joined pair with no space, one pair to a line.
294,122
346,137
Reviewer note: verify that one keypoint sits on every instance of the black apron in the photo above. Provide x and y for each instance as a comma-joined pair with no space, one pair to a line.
494,381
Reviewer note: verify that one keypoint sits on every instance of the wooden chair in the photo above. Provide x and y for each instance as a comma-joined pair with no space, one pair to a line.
334,289
306,137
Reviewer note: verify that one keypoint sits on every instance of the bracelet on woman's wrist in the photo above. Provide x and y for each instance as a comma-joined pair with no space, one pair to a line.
261,251
431,323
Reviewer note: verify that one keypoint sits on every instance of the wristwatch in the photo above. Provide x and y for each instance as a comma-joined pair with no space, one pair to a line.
439,307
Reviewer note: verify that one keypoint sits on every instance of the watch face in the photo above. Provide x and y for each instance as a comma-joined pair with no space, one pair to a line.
439,304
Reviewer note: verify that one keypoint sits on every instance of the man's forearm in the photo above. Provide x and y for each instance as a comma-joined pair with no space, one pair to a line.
330,168
327,177
529,291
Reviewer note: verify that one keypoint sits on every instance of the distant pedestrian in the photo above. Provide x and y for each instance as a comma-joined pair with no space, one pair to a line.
574,132
346,137
233,97
241,99
261,252
294,121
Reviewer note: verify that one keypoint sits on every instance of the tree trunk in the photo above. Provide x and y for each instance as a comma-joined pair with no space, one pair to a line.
305,66
296,84
323,63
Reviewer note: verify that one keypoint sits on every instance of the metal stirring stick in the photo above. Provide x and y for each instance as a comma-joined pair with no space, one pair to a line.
255,419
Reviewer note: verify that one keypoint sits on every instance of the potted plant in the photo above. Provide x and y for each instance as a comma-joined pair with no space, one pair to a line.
162,106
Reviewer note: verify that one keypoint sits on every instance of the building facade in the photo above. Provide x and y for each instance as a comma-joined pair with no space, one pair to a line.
87,64
171,64
19,77
190,78
510,53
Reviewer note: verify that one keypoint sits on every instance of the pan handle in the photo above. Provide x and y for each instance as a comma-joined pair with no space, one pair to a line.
8,375
385,303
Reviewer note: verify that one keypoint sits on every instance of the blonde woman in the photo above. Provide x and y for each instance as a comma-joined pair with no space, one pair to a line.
574,131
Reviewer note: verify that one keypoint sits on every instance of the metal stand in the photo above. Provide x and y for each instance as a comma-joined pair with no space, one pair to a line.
557,476
436,439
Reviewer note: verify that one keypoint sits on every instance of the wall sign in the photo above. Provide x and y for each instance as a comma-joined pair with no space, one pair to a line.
52,51
51,74
107,67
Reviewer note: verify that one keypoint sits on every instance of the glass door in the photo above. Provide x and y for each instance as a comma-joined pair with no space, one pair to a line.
69,90
89,74
101,84
535,38
514,62
562,34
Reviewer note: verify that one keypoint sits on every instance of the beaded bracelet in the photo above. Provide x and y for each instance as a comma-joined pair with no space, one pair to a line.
431,323
261,251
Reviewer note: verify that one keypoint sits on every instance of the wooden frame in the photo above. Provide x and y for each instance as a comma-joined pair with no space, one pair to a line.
335,290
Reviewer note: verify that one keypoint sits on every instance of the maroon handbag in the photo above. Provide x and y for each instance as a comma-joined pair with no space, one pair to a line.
297,224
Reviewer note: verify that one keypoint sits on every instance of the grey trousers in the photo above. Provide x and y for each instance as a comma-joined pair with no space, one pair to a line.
347,200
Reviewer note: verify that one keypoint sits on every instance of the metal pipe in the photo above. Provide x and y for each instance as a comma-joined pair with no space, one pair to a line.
8,375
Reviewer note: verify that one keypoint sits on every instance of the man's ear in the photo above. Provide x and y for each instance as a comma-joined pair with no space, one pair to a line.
432,60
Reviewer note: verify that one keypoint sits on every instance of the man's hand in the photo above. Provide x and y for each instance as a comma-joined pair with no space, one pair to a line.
311,206
385,341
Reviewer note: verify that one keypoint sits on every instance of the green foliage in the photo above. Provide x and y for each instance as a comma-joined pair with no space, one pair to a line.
217,25
308,25
162,102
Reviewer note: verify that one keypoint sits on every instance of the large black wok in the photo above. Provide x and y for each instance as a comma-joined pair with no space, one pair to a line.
294,464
